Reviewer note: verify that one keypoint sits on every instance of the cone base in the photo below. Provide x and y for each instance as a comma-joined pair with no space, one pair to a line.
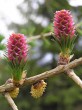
63,59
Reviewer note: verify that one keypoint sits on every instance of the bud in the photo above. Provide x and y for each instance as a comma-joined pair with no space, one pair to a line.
17,54
38,89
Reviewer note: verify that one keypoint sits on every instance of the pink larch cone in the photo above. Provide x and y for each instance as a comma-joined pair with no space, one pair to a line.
63,24
17,48
64,31
17,55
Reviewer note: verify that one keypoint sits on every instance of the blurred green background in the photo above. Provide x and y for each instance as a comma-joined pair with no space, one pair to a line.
61,92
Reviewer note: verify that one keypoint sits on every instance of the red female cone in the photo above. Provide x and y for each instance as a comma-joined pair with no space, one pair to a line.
64,31
17,55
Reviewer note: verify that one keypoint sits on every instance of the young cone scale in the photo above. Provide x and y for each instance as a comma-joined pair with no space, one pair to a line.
17,55
64,31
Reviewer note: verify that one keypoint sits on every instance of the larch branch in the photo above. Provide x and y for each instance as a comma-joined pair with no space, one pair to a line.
10,101
74,77
40,36
59,69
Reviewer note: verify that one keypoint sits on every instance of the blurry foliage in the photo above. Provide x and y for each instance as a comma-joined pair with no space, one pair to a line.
61,93
2,47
